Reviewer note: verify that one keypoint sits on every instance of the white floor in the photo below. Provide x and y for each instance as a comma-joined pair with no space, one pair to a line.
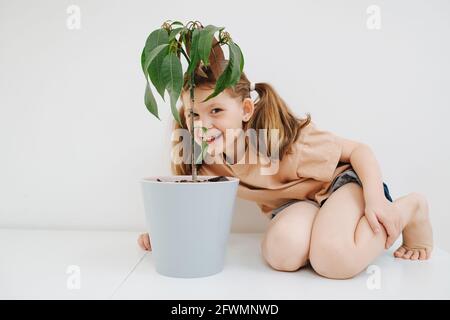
43,264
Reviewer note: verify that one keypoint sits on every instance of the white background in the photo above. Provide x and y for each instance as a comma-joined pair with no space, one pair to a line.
76,138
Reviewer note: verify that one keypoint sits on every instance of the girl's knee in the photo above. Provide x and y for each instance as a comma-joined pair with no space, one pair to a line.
334,260
284,251
285,245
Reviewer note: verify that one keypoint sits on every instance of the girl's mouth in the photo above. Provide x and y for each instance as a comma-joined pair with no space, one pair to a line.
212,139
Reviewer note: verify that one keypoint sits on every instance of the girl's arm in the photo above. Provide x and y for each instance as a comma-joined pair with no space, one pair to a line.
363,161
366,167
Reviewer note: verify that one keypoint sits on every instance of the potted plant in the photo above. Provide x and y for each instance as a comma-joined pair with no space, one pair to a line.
188,217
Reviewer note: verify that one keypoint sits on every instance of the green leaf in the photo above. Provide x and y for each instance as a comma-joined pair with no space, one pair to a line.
172,74
237,64
143,60
177,22
205,42
202,154
150,101
194,52
216,58
174,33
242,57
231,75
148,59
156,38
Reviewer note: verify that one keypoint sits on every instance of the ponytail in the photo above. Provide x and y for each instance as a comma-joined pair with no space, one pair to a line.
271,112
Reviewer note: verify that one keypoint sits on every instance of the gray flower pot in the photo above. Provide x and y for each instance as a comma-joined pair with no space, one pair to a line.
189,224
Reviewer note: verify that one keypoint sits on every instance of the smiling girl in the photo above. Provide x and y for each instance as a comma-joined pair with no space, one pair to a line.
327,201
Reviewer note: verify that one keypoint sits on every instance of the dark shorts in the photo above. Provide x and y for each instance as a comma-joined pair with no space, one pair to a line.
341,179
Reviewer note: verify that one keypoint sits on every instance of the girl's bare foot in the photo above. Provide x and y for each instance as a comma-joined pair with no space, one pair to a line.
144,242
417,234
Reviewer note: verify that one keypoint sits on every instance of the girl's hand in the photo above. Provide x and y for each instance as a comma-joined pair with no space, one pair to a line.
381,211
144,242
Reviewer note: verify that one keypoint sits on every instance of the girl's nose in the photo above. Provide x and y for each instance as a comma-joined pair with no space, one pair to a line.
203,123
198,128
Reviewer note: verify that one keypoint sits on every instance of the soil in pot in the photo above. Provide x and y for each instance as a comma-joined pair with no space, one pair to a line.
215,179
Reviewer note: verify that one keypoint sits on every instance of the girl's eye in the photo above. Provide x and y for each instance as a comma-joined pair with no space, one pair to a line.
195,114
216,109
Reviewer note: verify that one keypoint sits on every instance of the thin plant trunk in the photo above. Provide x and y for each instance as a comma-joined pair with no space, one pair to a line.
193,166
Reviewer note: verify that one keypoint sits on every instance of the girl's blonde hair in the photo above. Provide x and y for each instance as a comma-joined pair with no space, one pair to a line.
271,112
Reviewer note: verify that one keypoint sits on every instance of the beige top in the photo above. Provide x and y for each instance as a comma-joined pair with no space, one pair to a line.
306,173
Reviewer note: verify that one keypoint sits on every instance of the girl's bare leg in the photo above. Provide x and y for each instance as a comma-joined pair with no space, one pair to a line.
343,243
285,246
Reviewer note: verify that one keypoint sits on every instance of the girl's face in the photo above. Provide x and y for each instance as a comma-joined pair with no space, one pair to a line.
217,115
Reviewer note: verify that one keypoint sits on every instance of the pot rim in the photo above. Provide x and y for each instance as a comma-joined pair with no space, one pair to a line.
152,179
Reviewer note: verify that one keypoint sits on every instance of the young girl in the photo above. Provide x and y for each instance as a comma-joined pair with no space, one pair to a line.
327,202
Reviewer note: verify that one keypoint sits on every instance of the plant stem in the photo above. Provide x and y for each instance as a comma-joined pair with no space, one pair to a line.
191,111
185,55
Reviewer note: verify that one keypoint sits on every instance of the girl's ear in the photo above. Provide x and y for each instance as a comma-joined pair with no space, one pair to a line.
248,107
